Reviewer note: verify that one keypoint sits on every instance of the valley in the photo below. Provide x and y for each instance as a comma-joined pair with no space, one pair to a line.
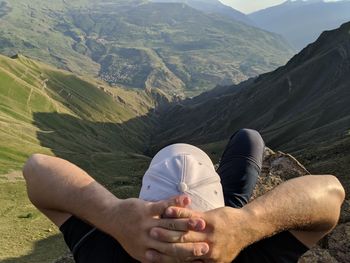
105,84
141,44
106,130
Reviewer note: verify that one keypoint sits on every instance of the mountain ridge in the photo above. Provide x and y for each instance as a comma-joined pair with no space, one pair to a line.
301,22
213,6
141,44
296,112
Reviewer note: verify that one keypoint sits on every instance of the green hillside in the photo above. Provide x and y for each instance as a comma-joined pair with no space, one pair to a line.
38,101
45,110
213,7
140,44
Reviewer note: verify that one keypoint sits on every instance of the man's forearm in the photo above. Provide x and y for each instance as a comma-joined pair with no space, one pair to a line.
309,203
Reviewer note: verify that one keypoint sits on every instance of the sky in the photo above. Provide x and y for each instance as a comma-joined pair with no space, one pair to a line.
248,6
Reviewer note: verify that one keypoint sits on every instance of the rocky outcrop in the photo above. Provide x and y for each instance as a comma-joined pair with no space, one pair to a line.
68,258
277,168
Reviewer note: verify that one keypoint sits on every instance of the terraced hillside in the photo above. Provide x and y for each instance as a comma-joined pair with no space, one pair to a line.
213,7
46,110
39,101
141,44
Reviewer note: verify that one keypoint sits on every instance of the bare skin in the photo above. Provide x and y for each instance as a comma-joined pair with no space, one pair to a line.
307,206
60,189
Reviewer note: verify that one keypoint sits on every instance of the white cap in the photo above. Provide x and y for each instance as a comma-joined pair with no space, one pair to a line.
183,169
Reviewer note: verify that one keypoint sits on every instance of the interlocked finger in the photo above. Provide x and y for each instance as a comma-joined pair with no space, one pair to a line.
181,251
158,208
182,224
158,257
178,212
170,236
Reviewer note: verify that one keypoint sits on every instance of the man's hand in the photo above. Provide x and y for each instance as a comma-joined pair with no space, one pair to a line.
225,233
311,212
135,218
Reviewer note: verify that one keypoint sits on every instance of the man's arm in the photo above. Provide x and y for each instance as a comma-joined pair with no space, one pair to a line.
59,189
309,205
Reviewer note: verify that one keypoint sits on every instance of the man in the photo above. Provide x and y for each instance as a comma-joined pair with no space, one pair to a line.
277,227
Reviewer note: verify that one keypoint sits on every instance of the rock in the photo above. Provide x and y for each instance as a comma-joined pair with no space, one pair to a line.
277,167
68,258
317,255
345,214
339,243
120,100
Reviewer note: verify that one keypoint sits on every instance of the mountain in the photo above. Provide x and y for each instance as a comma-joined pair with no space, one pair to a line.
302,108
140,44
301,22
213,7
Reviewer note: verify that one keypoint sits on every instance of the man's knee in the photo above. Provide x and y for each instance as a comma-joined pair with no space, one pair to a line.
250,134
249,137
248,142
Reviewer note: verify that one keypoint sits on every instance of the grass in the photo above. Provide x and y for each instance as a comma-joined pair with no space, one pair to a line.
45,110
37,101
22,225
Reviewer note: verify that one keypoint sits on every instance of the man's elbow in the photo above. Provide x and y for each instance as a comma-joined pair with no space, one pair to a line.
30,166
336,189
336,193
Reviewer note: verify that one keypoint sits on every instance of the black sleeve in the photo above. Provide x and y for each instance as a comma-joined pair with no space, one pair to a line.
280,248
90,245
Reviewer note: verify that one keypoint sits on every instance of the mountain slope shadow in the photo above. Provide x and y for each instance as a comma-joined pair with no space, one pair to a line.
112,153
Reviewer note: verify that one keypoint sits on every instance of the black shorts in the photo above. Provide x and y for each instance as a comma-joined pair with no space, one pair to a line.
239,169
90,245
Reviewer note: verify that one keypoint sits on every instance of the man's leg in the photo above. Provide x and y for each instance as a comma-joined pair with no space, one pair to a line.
240,166
239,169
